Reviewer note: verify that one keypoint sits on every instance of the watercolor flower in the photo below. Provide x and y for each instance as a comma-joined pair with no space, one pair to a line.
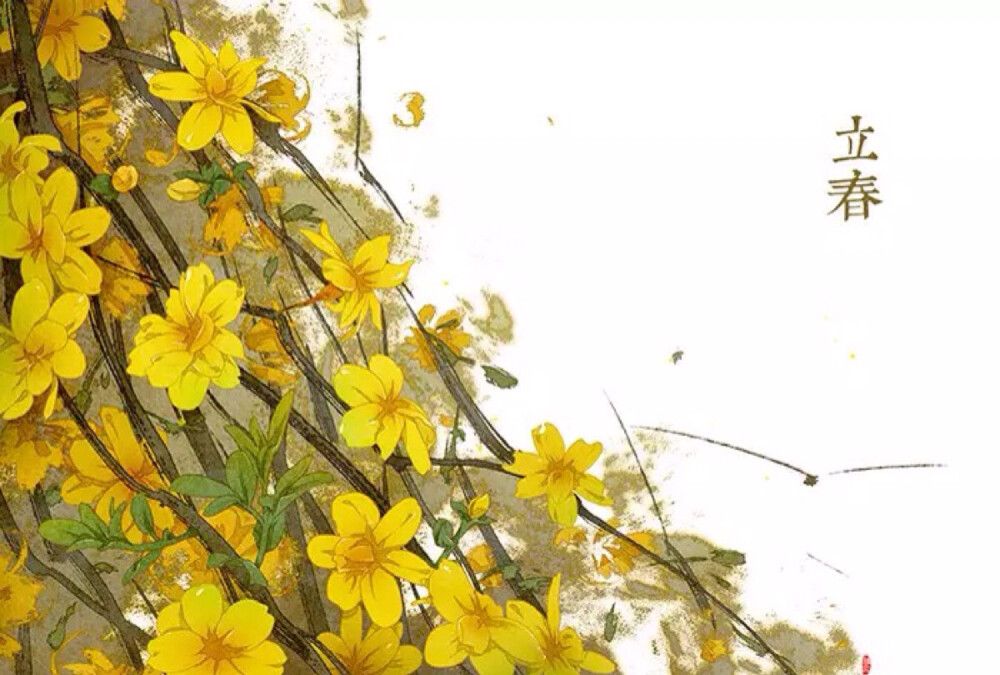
378,652
67,31
190,347
122,287
379,414
277,96
618,555
21,158
447,329
18,594
474,629
87,129
48,235
97,663
562,649
200,635
92,482
273,364
712,649
125,178
482,561
31,444
39,348
558,473
366,553
360,277
217,87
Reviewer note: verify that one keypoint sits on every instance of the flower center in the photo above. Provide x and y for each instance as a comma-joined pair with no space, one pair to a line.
216,85
215,649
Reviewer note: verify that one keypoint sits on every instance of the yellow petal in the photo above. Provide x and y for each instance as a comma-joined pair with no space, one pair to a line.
353,514
31,302
389,276
516,641
562,510
492,661
597,663
224,301
399,524
381,598
406,565
357,385
343,590
59,193
359,426
194,55
184,190
189,391
582,455
125,178
265,659
78,272
201,608
442,648
451,591
372,255
69,362
388,373
320,550
199,125
175,651
85,226
91,33
245,624
237,129
548,442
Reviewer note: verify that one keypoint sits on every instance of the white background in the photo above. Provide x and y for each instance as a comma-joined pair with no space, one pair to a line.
679,202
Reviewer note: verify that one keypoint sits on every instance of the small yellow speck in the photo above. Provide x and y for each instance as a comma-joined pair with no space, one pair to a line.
851,355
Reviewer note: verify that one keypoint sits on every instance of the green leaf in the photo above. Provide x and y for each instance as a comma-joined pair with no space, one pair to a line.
300,212
279,418
270,268
443,533
256,578
677,356
140,566
256,433
534,584
459,508
195,485
64,531
57,636
499,377
610,624
91,521
219,559
196,176
101,185
292,476
729,558
142,515
509,571
117,511
240,168
241,475
242,438
268,533
450,323
220,186
220,504
53,495
300,487
104,568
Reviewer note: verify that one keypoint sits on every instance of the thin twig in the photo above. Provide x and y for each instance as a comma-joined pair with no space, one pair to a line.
886,467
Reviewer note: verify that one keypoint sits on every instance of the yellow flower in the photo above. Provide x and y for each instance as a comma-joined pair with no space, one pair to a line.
366,553
619,555
713,649
277,96
121,289
216,87
66,33
478,506
447,329
359,278
481,560
558,473
31,444
189,348
184,190
124,178
92,482
89,126
48,235
18,594
377,653
474,628
274,364
97,664
21,158
227,221
562,649
160,158
379,414
200,635
569,535
39,348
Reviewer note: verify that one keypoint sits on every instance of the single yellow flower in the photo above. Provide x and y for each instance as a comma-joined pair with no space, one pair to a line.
92,482
478,506
377,653
189,348
125,178
277,96
713,649
619,556
273,364
67,32
184,190
481,560
48,234
39,348
447,329
474,628
558,473
217,87
21,158
122,288
379,414
31,444
366,553
562,649
89,126
97,664
18,594
358,278
200,635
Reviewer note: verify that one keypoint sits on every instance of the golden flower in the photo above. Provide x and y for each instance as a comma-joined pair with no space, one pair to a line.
366,553
200,635
18,594
559,473
67,32
379,414
89,126
227,220
359,278
478,506
274,364
189,347
474,628
447,329
713,649
92,482
124,178
277,96
97,664
21,158
122,287
39,348
481,560
48,235
569,535
31,444
618,555
184,190
377,653
216,87
562,649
